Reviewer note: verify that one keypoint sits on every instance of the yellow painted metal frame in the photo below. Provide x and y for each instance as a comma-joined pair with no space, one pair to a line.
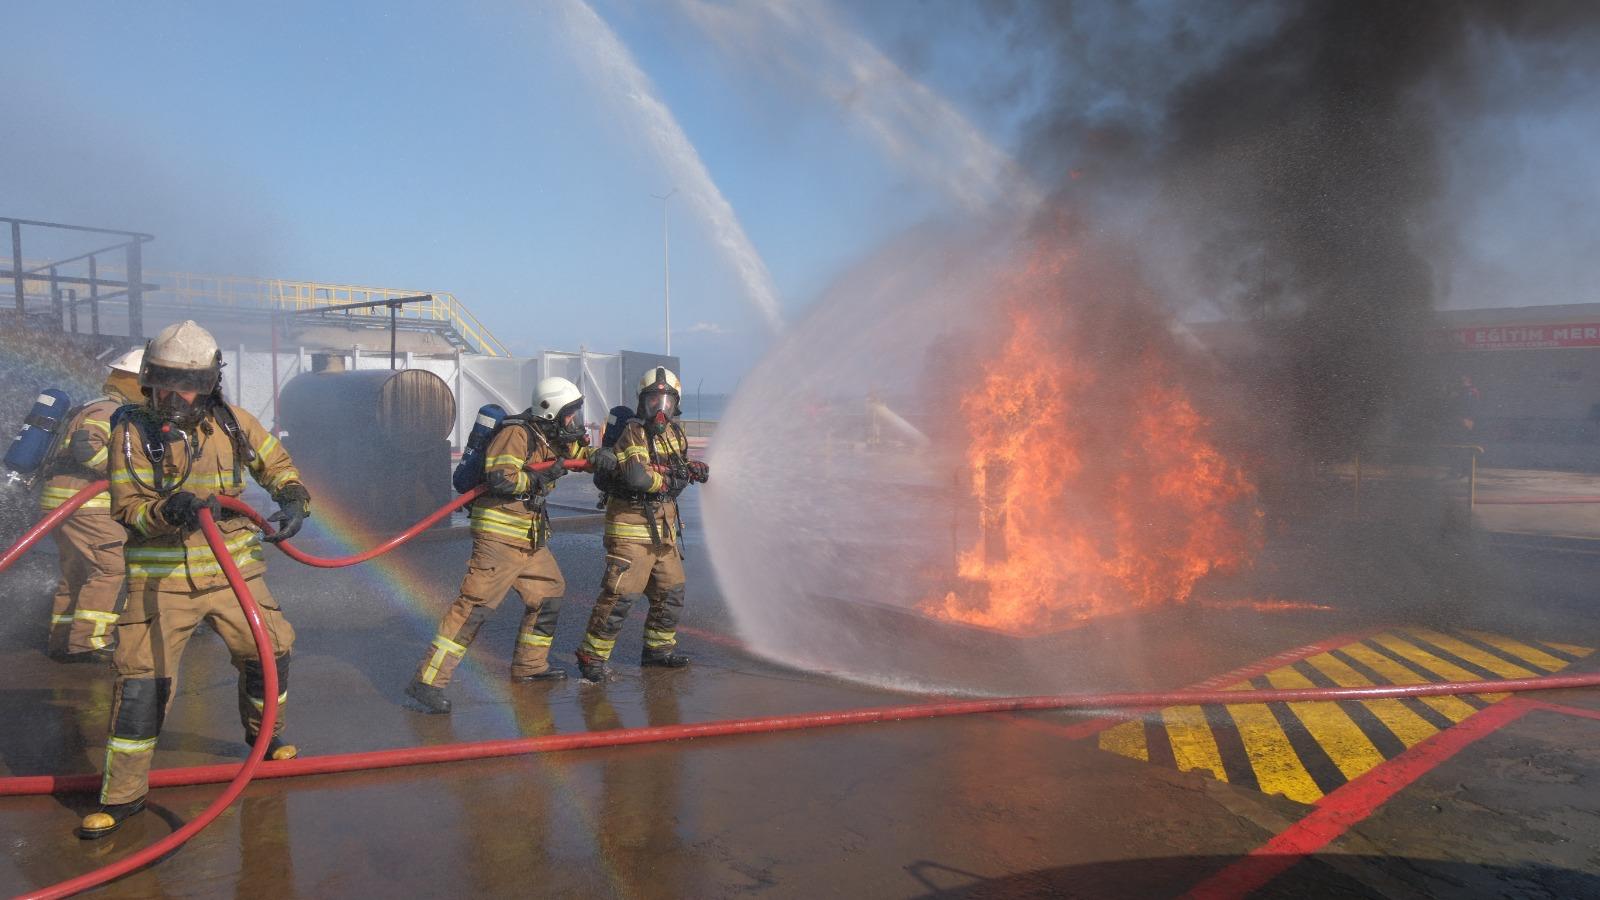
277,294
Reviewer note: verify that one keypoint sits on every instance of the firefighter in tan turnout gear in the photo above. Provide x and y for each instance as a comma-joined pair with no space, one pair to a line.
83,614
643,536
171,456
510,544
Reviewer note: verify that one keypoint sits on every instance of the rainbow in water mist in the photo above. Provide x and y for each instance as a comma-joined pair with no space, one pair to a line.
407,586
415,591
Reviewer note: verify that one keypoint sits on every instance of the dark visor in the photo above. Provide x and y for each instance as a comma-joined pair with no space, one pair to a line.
163,378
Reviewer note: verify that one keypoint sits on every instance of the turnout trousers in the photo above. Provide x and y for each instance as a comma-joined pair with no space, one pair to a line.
633,568
151,636
83,614
495,568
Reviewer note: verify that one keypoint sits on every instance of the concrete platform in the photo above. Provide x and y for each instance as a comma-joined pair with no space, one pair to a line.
990,806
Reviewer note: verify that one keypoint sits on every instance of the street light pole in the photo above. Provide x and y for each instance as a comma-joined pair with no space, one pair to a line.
666,268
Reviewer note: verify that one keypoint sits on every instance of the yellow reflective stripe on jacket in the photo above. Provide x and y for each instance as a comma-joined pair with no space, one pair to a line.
634,451
126,476
142,522
165,562
630,532
52,497
212,481
497,521
290,475
504,459
237,544
284,476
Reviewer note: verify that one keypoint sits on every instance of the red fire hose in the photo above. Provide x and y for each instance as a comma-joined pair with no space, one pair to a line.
443,753
47,524
338,562
240,775
409,756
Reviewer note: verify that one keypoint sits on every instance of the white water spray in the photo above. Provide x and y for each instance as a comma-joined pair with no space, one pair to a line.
609,63
826,522
918,129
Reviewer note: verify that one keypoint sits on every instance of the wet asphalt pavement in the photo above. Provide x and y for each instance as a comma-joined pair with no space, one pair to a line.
1048,804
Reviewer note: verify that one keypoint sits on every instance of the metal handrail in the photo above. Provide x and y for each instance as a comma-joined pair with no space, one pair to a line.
298,296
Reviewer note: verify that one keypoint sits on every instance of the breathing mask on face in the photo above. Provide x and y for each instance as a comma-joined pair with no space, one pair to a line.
170,406
657,408
568,424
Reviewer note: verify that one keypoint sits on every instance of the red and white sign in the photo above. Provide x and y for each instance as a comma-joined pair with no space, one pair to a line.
1524,337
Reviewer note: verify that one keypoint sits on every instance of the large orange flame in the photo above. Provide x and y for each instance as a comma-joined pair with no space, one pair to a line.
1099,488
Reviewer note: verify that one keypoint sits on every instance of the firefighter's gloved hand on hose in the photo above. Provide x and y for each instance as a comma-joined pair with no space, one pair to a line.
699,472
182,509
604,461
677,480
549,476
294,504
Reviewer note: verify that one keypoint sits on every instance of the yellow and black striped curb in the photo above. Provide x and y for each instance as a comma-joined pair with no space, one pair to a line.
1305,750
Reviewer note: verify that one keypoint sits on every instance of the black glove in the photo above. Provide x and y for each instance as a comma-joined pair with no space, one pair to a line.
699,472
604,461
550,475
182,509
677,479
294,505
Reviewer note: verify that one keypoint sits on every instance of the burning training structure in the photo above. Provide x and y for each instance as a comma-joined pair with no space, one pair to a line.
1098,484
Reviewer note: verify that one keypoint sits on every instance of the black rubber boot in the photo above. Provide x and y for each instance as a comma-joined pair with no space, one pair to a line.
663,659
554,673
431,699
276,749
109,818
593,669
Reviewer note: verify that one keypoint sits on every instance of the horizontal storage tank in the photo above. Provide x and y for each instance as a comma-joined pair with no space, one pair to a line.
381,402
373,445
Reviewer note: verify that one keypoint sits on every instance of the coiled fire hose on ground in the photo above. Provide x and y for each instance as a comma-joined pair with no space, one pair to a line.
442,753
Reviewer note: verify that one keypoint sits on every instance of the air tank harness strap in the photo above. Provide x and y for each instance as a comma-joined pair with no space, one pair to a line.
675,462
243,453
650,507
534,500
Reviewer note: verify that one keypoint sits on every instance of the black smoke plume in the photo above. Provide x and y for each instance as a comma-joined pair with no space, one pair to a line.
1298,151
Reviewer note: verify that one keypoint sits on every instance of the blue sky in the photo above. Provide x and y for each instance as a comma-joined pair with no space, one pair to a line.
471,147
439,146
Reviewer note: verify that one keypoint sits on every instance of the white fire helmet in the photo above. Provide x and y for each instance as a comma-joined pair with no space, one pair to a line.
659,392
130,362
660,375
552,398
183,357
